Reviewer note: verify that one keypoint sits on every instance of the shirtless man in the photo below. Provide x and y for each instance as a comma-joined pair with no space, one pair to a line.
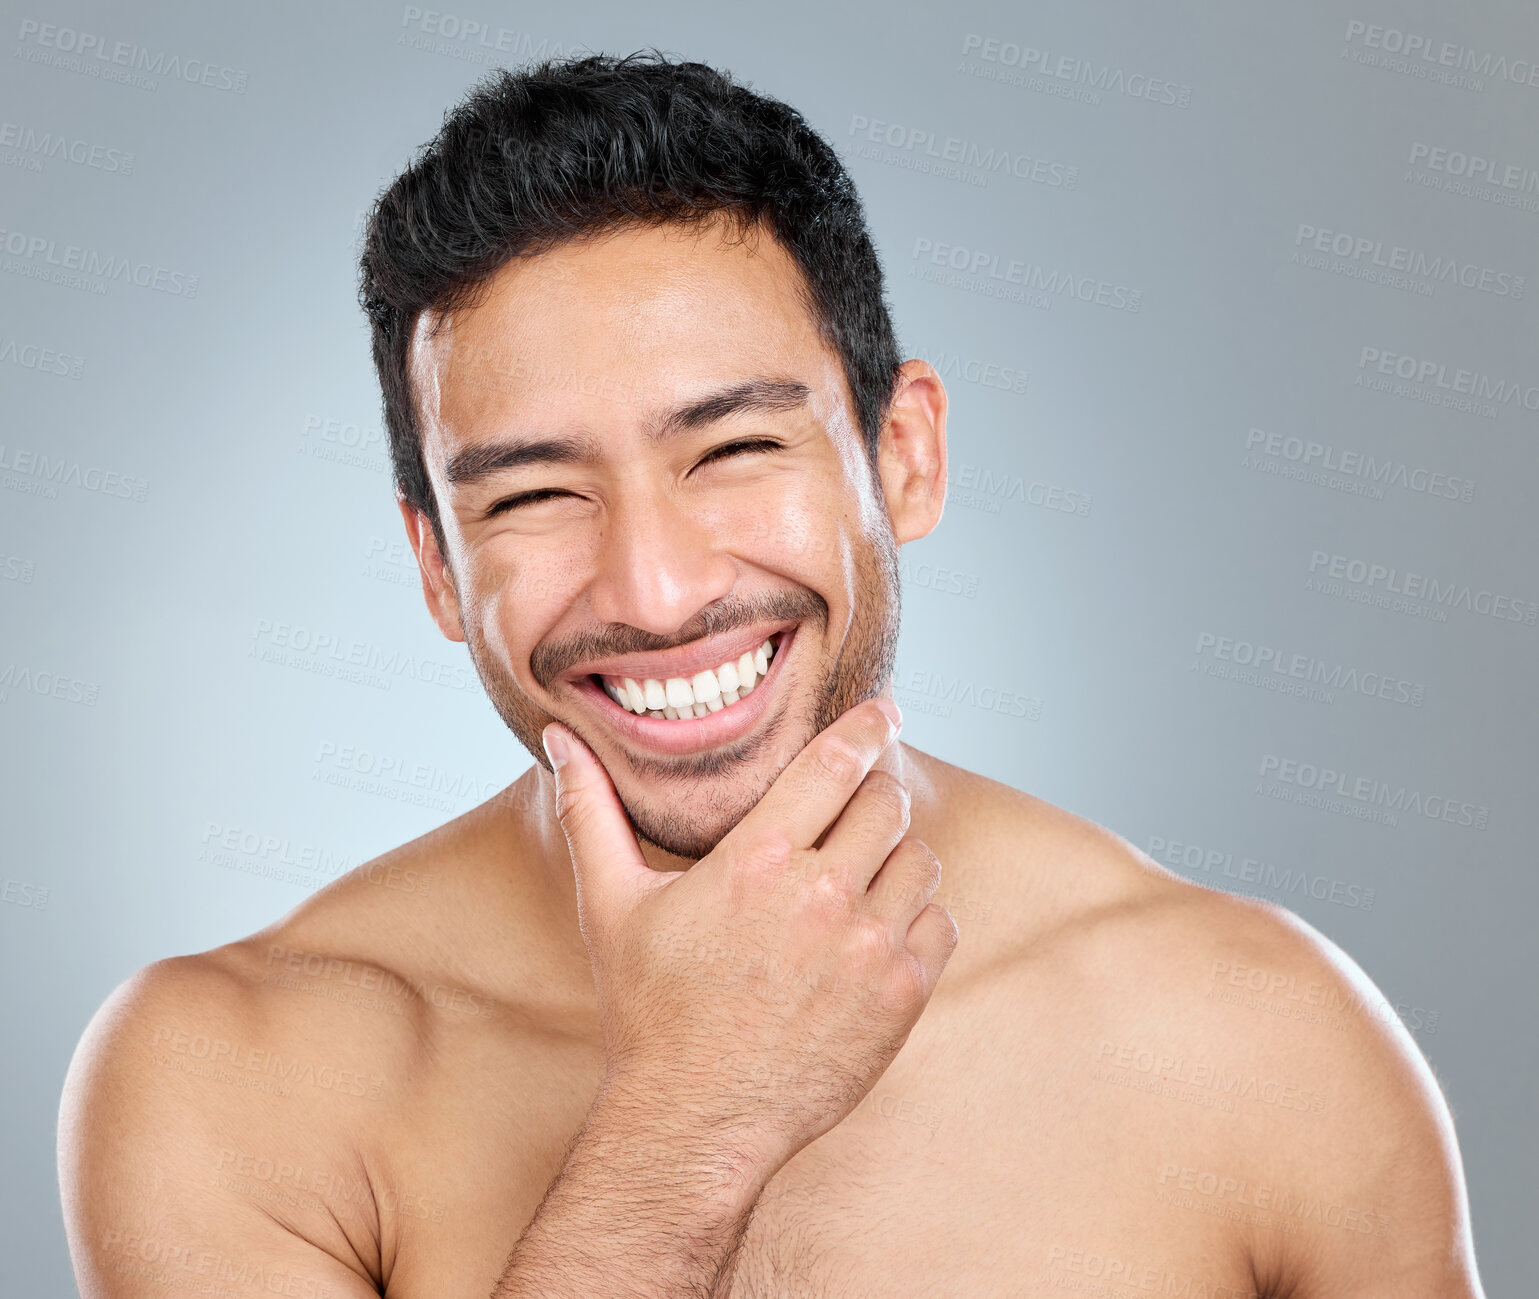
682,1011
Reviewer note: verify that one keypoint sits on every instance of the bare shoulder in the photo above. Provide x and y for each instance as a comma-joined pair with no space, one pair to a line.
1341,1160
1274,1084
217,1110
183,1091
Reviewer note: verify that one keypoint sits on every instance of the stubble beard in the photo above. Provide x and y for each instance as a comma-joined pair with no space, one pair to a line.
861,671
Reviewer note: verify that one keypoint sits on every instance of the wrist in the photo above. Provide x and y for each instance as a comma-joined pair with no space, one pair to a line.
724,1162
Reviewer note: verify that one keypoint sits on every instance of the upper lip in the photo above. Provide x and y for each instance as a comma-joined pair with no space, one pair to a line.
682,660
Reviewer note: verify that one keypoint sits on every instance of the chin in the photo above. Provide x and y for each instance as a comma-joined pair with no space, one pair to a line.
689,834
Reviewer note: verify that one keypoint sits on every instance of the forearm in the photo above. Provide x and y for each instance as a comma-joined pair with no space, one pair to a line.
638,1210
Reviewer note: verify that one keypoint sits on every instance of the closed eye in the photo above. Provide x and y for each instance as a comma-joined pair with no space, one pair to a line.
524,498
554,493
743,444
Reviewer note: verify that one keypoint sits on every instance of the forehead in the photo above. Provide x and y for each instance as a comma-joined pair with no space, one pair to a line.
604,331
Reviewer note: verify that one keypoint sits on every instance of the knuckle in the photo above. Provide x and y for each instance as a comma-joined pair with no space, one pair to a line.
889,795
868,941
770,851
566,799
947,925
572,810
837,761
907,980
759,866
826,900
926,867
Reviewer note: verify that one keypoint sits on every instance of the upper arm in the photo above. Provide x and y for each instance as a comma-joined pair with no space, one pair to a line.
1378,1207
151,1138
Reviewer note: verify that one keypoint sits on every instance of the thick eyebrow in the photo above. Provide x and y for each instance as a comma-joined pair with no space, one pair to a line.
487,458
751,394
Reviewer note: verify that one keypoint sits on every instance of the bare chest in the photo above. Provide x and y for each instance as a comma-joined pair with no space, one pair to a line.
958,1175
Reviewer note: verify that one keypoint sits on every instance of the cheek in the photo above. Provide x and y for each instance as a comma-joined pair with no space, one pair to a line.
798,525
517,599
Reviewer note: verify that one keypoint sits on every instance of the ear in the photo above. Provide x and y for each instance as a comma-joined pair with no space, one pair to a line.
911,459
443,601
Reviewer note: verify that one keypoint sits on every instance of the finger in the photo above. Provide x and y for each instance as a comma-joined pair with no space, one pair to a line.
869,828
813,789
905,884
932,938
606,859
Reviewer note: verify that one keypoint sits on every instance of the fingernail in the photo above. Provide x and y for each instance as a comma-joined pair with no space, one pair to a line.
894,713
555,747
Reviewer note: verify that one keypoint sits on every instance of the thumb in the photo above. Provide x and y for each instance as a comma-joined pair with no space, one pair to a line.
606,858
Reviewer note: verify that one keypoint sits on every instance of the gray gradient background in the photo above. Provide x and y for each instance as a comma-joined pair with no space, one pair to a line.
150,712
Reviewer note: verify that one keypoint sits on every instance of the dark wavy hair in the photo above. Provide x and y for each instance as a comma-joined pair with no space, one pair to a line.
567,148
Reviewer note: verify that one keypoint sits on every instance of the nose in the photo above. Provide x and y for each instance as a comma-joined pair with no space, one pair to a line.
659,562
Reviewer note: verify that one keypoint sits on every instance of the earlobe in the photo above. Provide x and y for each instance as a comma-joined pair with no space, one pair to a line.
913,452
437,578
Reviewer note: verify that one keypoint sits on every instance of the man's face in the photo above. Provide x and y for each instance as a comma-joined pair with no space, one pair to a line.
648,465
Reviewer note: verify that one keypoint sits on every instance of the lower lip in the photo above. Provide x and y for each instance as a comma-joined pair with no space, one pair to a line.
691,734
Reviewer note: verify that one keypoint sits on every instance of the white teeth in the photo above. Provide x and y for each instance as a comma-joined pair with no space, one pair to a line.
704,687
705,693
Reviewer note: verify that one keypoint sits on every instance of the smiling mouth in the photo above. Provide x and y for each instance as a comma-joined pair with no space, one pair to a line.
713,690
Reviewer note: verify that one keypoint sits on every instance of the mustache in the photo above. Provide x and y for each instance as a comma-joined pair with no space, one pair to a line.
551,659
